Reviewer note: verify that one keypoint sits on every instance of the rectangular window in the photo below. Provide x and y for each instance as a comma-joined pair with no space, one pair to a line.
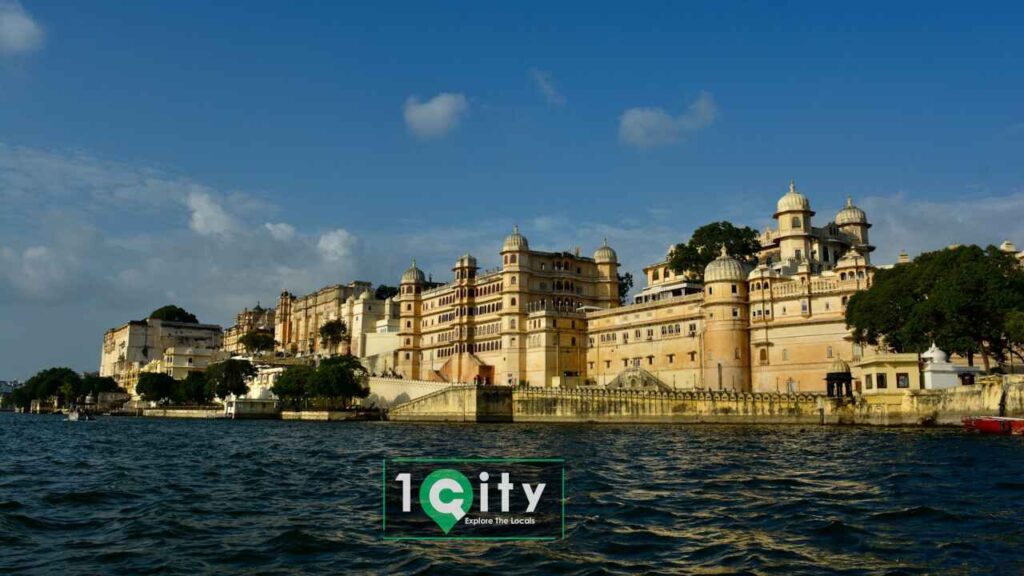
902,380
671,358
881,382
868,382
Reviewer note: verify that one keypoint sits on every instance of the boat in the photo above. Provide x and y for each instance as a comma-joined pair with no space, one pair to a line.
994,425
79,415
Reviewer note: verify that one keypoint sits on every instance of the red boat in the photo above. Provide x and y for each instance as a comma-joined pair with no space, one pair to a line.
994,425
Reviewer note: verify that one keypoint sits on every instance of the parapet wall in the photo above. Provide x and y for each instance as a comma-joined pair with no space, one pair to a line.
942,407
596,405
385,392
459,404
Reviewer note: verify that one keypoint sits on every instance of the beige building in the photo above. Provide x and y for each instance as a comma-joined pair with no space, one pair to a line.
523,322
297,320
257,319
553,319
129,349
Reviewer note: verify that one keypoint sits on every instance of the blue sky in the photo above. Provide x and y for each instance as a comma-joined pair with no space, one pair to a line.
213,155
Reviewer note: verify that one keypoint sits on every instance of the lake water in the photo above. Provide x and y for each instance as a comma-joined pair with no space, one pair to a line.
139,496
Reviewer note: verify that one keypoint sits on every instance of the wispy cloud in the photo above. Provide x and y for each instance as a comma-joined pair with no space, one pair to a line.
653,127
903,222
543,81
19,32
435,117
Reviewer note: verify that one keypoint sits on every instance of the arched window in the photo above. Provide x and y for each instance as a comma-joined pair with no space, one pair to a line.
513,258
513,301
654,275
796,222
764,355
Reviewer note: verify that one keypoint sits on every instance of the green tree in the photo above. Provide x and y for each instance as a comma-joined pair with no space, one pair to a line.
340,378
294,384
63,382
155,386
1014,328
192,390
95,385
625,285
332,333
958,298
172,313
256,341
229,377
706,243
383,292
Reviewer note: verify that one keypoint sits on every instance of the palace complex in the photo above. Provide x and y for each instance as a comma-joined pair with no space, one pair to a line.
554,319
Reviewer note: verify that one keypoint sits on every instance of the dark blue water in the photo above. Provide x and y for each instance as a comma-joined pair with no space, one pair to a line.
139,496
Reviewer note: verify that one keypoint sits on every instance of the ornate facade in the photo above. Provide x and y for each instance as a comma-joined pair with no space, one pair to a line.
257,319
297,320
523,322
553,319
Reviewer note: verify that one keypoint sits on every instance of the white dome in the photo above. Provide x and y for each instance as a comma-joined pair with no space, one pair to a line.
725,268
851,214
605,254
413,275
792,201
515,242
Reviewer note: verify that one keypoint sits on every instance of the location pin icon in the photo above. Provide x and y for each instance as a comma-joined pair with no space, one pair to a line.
446,496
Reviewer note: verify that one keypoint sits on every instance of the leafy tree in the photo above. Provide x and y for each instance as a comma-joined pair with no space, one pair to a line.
383,292
155,386
1014,328
229,377
256,341
706,243
625,285
340,378
294,384
171,313
95,384
63,382
333,333
958,298
192,390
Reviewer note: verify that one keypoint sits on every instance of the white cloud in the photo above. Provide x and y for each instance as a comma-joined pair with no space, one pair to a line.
208,217
652,127
280,230
544,83
336,245
435,117
19,33
901,222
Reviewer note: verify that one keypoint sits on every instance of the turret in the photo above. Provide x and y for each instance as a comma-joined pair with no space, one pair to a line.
853,223
409,299
793,213
726,337
608,267
515,252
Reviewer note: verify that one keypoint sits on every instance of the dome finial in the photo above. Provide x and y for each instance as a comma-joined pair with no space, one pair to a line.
515,228
724,251
849,201
605,241
792,186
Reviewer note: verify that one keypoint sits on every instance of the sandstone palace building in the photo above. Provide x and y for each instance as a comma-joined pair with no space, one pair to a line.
554,318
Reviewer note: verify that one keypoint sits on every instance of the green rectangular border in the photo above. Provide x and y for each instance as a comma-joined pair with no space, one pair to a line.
384,501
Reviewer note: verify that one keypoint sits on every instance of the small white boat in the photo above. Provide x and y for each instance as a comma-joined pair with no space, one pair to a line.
77,415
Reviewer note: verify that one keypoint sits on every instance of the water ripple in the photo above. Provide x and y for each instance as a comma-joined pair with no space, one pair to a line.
143,496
